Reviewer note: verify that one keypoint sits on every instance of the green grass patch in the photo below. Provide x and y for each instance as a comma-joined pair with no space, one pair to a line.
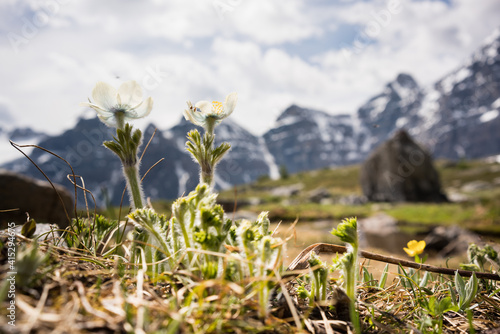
312,211
442,214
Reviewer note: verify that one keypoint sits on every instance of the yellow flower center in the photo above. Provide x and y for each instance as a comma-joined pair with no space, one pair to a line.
217,107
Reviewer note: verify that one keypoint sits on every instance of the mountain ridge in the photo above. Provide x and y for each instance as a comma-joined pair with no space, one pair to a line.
455,118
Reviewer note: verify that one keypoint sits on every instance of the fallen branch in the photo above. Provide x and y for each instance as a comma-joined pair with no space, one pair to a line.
301,261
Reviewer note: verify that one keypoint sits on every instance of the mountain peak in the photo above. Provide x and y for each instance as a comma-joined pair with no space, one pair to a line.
404,86
406,80
295,112
493,37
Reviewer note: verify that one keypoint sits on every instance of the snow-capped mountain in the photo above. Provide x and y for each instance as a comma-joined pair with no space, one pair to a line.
305,139
21,136
101,170
395,107
463,107
245,162
457,117
175,175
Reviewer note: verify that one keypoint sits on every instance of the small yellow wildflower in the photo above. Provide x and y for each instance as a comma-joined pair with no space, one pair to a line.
415,247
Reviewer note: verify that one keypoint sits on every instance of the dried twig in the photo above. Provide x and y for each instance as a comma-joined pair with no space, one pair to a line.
301,263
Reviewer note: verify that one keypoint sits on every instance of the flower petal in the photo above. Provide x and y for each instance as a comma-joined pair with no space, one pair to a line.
104,95
141,110
97,108
411,244
108,120
410,252
195,117
204,106
230,104
420,246
130,93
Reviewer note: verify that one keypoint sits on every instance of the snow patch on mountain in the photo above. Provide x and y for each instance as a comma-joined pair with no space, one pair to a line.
183,178
488,116
405,92
322,122
496,104
449,82
274,172
289,120
8,152
378,105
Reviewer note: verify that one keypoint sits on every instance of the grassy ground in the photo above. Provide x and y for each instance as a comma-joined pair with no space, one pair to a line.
93,290
480,211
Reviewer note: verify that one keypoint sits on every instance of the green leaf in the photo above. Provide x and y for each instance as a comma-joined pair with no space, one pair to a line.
425,279
367,276
114,147
383,278
453,294
431,305
29,228
347,231
136,137
471,290
460,286
219,152
445,305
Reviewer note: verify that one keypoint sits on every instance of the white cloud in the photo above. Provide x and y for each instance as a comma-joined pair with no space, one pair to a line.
274,22
195,49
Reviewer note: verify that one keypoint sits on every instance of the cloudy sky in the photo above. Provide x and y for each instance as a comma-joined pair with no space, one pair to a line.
330,55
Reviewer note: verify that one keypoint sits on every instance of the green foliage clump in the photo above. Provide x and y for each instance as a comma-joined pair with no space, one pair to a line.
198,236
89,234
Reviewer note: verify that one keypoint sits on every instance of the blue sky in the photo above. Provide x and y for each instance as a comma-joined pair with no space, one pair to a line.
322,54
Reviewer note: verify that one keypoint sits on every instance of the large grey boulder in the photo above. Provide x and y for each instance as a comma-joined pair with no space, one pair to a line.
35,197
400,170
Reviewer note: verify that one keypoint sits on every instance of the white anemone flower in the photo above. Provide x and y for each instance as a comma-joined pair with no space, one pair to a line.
115,107
208,114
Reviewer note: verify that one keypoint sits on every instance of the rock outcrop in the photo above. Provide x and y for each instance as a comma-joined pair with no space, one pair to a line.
20,195
400,171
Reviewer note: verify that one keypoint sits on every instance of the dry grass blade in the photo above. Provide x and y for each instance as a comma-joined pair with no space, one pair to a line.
85,191
39,308
86,305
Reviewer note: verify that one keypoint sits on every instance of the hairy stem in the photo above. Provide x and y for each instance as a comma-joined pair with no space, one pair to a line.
351,290
207,176
134,186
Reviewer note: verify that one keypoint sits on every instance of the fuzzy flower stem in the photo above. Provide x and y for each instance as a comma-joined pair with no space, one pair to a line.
134,186
210,126
120,119
185,234
347,231
207,176
351,289
207,169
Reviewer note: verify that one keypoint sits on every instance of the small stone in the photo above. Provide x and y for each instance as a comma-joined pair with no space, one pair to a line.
318,195
476,186
287,191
